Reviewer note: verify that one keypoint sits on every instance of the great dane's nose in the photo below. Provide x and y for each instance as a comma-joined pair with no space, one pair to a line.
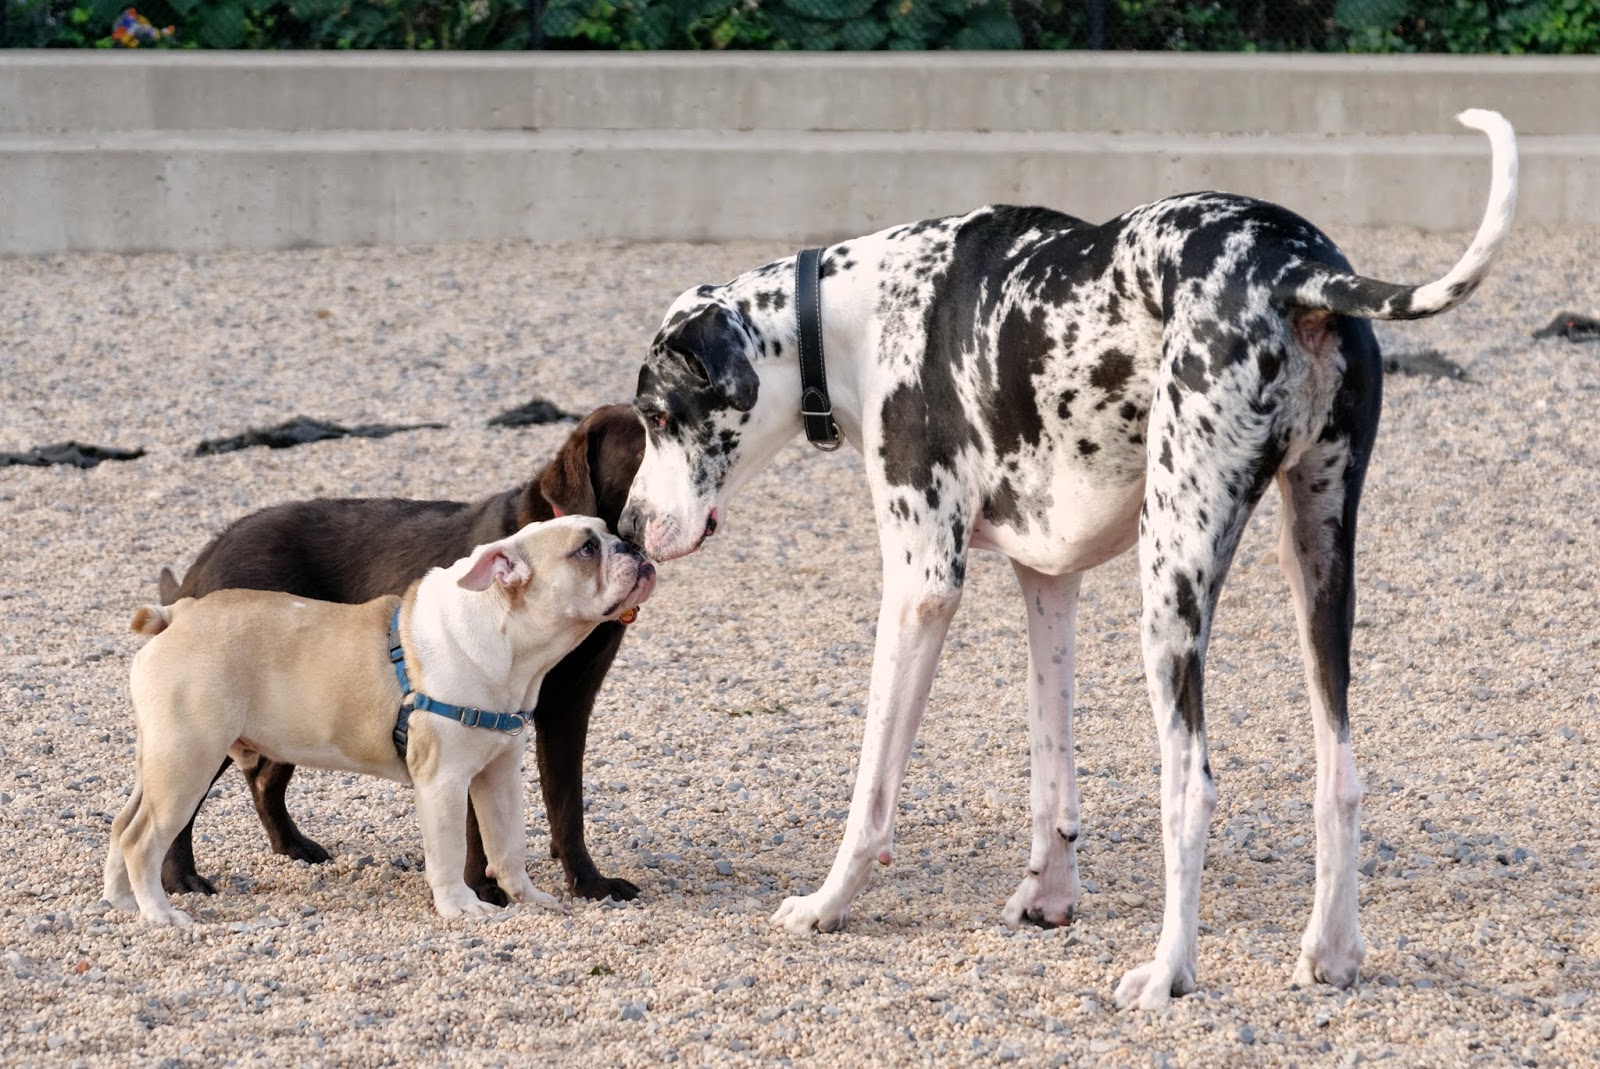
631,524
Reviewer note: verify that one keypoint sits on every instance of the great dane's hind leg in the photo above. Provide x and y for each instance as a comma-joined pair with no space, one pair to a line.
1209,465
1048,894
912,624
1317,553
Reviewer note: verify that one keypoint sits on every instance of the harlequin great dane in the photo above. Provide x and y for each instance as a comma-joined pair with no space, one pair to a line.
1022,381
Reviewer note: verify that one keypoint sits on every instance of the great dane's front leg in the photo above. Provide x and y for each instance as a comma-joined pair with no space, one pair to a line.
1049,892
1208,468
912,623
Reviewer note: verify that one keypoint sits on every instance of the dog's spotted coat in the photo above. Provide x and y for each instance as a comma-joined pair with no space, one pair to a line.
1022,381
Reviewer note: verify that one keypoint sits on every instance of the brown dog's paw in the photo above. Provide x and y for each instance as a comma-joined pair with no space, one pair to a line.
297,847
489,891
599,887
191,882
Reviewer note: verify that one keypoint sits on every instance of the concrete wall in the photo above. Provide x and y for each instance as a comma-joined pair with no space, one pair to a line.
197,151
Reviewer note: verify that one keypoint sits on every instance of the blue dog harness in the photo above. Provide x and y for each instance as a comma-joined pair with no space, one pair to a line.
510,723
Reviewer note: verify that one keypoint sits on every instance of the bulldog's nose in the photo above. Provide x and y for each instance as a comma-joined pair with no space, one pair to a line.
631,525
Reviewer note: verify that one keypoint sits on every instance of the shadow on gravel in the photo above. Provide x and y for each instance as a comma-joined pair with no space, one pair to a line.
1429,362
1571,326
303,430
74,453
534,412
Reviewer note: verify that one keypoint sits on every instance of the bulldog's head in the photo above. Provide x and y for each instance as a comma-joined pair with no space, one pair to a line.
564,570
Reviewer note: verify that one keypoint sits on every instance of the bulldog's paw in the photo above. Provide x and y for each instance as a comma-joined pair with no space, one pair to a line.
1049,903
166,917
525,893
1151,986
461,902
811,913
124,902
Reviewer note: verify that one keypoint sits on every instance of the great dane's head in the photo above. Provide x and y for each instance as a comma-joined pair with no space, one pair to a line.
697,390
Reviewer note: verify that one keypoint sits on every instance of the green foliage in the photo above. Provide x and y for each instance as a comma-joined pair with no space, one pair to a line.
1211,25
1511,26
280,24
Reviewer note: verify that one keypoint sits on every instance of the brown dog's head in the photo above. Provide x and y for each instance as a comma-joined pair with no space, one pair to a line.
594,468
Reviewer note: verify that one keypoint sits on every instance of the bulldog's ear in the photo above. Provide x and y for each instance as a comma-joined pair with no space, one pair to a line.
713,339
496,562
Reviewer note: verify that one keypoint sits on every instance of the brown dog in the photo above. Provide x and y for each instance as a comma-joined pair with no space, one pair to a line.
353,550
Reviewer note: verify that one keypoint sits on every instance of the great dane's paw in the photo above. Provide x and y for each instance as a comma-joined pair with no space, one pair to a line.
811,913
611,887
1327,965
1151,986
190,882
297,847
167,917
1049,904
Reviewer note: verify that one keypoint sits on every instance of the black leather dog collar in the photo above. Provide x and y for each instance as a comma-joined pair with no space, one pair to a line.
816,411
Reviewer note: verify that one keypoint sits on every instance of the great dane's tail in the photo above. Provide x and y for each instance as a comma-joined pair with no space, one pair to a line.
1319,287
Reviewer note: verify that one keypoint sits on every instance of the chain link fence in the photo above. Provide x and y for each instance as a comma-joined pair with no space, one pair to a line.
1162,25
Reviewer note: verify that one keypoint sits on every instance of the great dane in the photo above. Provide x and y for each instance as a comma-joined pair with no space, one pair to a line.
1021,381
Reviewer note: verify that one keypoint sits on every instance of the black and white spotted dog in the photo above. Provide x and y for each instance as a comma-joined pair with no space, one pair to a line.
1022,381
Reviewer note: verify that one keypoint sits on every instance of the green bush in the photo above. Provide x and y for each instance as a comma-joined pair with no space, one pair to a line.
1212,25
1511,26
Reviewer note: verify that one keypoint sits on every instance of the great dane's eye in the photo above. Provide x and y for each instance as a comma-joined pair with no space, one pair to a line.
589,550
658,420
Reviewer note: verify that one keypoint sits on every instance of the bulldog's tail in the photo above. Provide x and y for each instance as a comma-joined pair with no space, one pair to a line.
151,619
1319,287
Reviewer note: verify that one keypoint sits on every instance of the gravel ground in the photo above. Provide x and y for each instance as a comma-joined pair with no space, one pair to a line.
722,755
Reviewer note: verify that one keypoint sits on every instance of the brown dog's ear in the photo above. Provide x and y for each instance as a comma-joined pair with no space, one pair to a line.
565,483
496,562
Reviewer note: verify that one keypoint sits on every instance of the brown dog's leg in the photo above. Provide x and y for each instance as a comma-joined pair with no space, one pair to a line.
268,781
477,872
561,731
178,874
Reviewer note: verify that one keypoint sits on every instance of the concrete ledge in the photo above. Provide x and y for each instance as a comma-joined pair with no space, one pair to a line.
1070,92
203,151
205,192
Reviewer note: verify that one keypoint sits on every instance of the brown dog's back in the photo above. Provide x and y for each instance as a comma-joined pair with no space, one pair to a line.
355,549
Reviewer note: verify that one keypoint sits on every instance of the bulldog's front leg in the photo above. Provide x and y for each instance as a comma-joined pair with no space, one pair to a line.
497,799
442,810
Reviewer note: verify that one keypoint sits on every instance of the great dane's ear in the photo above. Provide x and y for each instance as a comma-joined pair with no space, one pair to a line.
711,338
496,562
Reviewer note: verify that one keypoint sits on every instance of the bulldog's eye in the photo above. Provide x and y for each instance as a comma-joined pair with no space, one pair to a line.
589,550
